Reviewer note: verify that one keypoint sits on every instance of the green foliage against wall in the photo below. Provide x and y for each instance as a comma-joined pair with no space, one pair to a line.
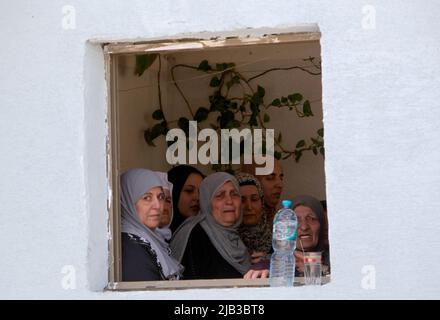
247,110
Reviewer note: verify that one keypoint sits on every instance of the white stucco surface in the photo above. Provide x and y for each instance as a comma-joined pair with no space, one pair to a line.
381,118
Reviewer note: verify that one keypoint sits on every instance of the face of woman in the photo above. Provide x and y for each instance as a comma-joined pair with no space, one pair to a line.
226,204
189,196
251,204
273,185
165,218
308,228
150,206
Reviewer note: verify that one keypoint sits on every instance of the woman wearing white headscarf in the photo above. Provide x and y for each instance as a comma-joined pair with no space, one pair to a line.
208,244
145,253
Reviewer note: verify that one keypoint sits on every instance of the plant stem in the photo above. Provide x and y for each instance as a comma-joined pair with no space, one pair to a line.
158,85
284,69
178,88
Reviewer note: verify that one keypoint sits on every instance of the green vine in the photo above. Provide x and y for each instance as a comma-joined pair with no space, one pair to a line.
247,110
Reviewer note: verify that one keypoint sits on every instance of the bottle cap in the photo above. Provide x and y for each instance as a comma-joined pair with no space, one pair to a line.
286,203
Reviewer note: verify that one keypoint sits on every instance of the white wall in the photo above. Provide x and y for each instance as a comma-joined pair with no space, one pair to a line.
381,115
138,98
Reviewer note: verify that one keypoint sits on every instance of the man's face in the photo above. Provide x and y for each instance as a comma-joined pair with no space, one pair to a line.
273,185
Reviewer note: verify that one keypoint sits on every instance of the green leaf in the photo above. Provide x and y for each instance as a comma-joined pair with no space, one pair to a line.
279,138
215,82
307,110
225,119
321,132
148,138
300,144
317,142
143,62
158,115
276,103
266,118
253,120
204,66
261,92
157,130
315,151
284,100
322,151
295,97
235,124
277,155
223,66
183,123
201,114
298,155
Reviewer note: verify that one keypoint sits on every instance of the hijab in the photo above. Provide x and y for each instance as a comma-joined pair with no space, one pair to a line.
256,237
134,184
178,176
315,205
225,239
165,231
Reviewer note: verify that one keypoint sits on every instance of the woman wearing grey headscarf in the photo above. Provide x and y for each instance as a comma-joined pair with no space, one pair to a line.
312,230
208,244
145,253
255,230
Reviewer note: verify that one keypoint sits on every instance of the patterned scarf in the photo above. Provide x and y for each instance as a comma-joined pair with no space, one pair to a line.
257,237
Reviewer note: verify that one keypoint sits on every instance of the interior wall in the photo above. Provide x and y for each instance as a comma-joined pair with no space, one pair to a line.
138,98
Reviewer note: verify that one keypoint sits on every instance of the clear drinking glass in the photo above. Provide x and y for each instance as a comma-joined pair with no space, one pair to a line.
312,268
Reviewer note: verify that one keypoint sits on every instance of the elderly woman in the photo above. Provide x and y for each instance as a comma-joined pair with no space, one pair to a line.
312,230
255,230
186,182
208,244
145,253
167,212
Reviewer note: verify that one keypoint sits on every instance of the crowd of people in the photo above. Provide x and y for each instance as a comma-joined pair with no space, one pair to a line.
182,224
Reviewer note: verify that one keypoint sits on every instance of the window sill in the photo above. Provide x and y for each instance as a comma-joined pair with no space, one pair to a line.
198,284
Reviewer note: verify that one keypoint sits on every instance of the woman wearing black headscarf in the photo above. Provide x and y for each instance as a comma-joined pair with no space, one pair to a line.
186,181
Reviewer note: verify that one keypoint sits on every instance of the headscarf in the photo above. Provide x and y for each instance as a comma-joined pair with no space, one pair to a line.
257,237
225,239
315,205
135,183
165,231
178,176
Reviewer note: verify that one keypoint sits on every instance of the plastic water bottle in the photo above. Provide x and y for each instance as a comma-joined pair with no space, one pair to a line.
282,262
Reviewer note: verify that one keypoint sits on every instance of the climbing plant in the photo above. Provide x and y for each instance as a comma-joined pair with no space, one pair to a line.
247,110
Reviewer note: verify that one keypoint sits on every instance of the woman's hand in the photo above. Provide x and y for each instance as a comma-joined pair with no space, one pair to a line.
299,261
257,256
254,274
